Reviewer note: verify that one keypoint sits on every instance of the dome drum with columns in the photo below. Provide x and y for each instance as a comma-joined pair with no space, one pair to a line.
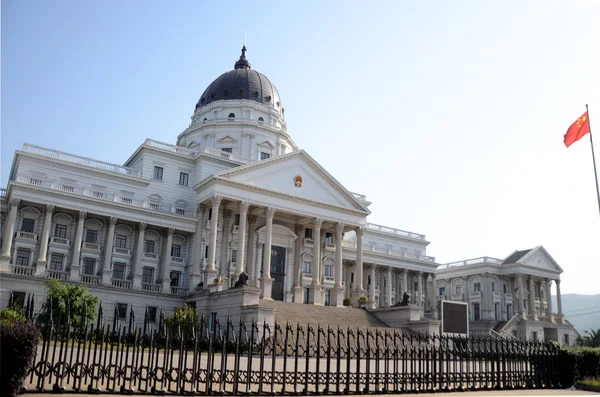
234,195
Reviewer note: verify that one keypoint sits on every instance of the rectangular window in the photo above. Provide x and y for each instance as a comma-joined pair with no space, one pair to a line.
17,299
308,233
534,335
476,313
23,255
88,266
184,178
118,271
149,246
567,339
264,156
442,291
327,297
158,173
147,275
28,225
179,211
60,231
155,206
98,194
237,220
497,311
121,241
122,309
306,267
174,276
56,262
328,238
305,295
505,289
477,287
227,149
126,200
176,250
328,270
152,314
493,287
351,277
369,279
206,251
234,256
68,188
91,236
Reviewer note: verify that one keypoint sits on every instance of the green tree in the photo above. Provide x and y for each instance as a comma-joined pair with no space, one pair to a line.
185,319
590,339
80,303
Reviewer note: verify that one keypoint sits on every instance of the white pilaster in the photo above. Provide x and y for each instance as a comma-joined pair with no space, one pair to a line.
166,267
316,297
9,229
136,269
211,273
108,248
338,291
558,301
75,269
41,262
266,282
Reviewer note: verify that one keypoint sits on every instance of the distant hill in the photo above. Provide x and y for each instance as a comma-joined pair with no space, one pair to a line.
583,311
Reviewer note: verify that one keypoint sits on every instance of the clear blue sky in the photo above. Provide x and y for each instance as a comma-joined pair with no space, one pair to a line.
449,116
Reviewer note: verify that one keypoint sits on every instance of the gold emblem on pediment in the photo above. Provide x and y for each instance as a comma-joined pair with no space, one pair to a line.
298,181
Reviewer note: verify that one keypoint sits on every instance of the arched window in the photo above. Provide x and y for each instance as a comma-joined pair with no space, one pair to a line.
205,119
260,119
231,115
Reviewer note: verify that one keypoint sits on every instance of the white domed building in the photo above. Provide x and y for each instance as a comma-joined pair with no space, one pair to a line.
179,223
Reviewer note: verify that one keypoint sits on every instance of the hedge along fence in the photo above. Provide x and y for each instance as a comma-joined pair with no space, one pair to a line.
584,362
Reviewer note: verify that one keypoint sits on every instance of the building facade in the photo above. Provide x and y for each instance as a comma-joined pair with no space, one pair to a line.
509,297
234,195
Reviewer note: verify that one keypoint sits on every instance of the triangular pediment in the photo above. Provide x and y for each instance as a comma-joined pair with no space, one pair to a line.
295,174
540,258
227,139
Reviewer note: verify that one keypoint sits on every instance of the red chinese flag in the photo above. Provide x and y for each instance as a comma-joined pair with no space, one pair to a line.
577,130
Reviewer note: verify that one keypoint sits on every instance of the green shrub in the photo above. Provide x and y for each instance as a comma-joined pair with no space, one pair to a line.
184,319
582,362
363,300
11,316
18,343
347,302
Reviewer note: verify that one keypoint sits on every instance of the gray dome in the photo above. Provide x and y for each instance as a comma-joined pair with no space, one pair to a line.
242,83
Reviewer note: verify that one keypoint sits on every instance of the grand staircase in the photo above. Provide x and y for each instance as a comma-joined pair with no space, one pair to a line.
342,317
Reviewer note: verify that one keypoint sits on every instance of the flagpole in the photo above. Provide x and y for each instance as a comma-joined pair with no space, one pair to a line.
593,155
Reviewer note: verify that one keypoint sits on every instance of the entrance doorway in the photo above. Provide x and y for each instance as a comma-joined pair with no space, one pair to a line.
277,271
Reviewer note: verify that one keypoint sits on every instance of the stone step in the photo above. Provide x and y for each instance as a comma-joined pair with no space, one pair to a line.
342,317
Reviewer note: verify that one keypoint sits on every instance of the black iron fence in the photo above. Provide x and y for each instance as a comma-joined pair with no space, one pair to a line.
252,358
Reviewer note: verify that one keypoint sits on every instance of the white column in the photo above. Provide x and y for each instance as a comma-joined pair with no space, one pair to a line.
211,272
420,289
558,301
9,229
77,247
434,296
195,277
372,303
298,292
108,248
224,270
136,269
338,291
266,282
359,271
404,283
389,298
315,288
41,262
520,295
532,314
241,250
166,267
549,300
251,251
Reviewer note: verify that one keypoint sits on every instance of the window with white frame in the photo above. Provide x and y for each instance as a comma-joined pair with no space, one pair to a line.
175,279
308,233
56,262
152,314
180,211
442,291
149,246
176,250
147,275
89,266
234,256
184,178
477,287
264,156
227,149
28,225
327,297
306,267
121,241
118,271
158,173
328,238
23,255
60,231
458,289
328,270
126,200
476,311
122,311
91,236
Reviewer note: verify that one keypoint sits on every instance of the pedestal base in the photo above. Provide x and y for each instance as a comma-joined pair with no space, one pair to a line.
40,268
337,296
298,295
106,278
195,279
356,294
266,284
209,278
74,273
166,285
137,282
315,295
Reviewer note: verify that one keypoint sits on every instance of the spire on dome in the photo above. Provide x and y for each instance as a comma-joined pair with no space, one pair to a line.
243,63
